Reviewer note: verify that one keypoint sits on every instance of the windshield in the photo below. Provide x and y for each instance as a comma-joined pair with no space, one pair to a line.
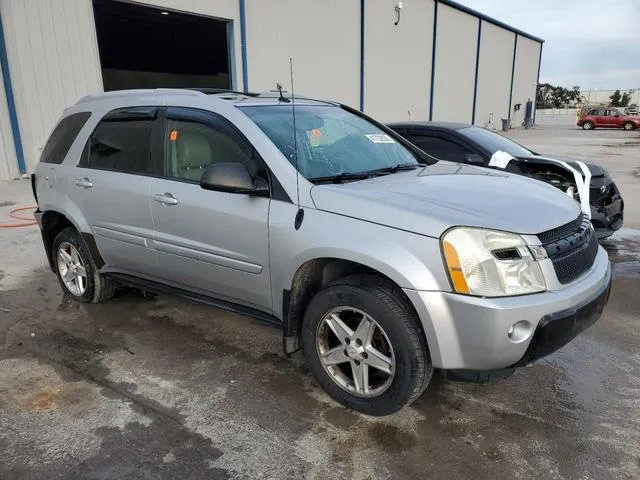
493,142
330,140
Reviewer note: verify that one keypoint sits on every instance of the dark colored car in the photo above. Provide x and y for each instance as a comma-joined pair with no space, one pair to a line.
608,118
464,143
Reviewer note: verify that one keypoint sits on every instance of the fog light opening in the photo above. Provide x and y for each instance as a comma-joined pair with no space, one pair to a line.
519,331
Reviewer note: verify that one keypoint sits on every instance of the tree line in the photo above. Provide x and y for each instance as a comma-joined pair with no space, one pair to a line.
552,96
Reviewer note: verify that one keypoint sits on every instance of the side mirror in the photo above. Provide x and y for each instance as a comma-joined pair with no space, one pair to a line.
474,159
232,177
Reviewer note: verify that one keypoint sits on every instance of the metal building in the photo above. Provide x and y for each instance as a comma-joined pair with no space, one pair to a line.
416,59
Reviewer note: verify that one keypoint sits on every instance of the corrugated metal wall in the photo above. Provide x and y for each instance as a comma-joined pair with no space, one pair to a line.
322,38
53,62
525,79
8,161
494,74
53,59
456,47
397,67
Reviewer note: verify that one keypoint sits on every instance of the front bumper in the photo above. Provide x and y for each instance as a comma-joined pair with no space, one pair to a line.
471,333
607,214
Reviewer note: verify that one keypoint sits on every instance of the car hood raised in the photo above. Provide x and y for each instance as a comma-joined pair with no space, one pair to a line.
432,199
596,170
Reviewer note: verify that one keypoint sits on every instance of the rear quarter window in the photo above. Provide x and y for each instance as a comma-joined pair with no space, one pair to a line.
62,137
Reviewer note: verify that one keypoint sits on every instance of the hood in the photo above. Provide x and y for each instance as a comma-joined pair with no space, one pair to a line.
596,170
428,201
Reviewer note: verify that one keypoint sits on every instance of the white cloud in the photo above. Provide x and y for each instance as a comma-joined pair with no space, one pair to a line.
589,43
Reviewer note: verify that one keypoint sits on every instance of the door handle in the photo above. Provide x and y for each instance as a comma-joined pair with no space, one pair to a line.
165,198
84,182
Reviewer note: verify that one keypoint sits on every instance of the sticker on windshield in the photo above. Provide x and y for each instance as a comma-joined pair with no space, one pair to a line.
380,138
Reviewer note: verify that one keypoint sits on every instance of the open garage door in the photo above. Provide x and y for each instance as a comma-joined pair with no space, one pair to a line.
147,47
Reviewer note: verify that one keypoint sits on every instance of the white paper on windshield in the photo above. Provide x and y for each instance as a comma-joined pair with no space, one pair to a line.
500,159
380,138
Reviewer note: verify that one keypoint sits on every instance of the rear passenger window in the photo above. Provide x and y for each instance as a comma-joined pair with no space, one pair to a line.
62,138
122,142
440,148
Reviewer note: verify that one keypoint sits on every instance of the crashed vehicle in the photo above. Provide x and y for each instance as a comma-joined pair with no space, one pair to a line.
601,200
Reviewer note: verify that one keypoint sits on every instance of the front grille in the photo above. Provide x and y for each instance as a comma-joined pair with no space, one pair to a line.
571,266
572,248
560,232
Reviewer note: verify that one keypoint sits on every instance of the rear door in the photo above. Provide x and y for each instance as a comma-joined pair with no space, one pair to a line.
215,243
614,118
600,117
111,187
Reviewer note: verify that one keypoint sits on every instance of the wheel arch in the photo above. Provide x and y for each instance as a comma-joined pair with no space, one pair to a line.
314,274
52,222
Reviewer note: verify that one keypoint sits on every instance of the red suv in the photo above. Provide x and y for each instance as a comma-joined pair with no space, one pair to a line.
607,117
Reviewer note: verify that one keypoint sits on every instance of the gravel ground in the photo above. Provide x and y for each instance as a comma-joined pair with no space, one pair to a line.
162,388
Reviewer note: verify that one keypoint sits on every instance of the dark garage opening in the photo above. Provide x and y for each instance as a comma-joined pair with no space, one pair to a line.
146,47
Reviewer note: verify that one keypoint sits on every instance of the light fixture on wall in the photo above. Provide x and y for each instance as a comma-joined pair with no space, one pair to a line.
398,9
164,13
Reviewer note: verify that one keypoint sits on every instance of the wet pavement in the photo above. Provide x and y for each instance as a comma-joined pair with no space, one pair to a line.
162,388
157,387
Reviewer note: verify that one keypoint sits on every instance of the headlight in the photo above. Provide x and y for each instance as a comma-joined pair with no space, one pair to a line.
488,263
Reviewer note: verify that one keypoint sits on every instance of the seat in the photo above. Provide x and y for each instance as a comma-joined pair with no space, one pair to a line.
194,155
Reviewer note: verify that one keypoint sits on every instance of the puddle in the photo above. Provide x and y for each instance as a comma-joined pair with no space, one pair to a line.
624,252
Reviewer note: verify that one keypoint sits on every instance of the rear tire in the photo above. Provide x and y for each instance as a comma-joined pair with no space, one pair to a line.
628,126
77,273
588,125
395,336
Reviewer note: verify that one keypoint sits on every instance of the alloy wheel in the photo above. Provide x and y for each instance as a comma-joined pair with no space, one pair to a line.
355,352
72,269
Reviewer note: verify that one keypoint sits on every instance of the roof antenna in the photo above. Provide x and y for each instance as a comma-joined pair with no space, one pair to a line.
300,213
282,98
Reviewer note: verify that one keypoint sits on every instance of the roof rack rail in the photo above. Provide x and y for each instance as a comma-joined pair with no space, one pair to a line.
138,92
213,91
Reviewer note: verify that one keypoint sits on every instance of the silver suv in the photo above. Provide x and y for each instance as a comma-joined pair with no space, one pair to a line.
380,262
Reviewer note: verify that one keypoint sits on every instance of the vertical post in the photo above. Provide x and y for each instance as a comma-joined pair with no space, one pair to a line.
535,101
433,58
11,104
243,46
513,71
475,81
362,55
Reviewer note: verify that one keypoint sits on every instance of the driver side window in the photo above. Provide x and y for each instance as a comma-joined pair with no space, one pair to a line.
194,145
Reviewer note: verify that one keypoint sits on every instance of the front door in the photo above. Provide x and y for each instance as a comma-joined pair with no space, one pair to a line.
111,188
215,243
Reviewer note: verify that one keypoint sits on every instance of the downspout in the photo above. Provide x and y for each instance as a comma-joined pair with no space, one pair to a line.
11,104
537,84
433,58
513,71
362,55
243,46
475,81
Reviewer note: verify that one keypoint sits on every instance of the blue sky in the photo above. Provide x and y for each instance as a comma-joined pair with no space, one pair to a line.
590,43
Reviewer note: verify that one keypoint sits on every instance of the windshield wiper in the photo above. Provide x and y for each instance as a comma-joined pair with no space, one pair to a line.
394,168
342,177
346,176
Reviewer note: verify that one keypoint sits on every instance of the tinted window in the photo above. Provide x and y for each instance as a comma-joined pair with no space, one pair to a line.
122,144
593,112
62,137
440,148
612,113
194,145
492,142
329,140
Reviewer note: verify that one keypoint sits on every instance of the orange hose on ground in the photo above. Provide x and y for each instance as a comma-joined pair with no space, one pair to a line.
28,221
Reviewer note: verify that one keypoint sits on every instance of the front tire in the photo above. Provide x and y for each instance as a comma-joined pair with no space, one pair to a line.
588,125
363,343
628,126
76,271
